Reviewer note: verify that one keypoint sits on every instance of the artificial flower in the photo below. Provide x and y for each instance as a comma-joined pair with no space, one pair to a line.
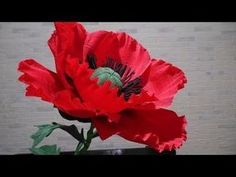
109,79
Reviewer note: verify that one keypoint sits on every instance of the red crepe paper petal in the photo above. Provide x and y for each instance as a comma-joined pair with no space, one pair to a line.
160,129
42,82
164,81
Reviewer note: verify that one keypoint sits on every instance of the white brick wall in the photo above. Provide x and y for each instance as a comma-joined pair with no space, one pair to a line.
205,51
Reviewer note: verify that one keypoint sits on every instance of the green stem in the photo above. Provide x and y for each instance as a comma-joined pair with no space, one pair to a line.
78,148
83,145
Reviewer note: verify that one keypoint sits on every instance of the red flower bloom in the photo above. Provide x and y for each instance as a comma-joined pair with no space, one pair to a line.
109,78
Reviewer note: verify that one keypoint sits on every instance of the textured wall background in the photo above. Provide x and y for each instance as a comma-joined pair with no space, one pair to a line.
205,51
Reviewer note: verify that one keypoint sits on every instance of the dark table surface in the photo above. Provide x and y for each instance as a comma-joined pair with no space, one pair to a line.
130,151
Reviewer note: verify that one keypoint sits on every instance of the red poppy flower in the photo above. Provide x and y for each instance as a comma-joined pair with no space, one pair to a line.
108,78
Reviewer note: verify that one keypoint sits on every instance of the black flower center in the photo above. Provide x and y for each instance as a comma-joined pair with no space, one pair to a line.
123,72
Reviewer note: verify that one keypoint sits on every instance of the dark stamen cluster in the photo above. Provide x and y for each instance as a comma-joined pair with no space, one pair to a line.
133,86
129,86
117,67
124,71
91,61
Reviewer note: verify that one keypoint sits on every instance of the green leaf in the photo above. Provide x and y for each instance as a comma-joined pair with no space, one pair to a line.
46,150
79,147
43,131
83,146
82,135
72,130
